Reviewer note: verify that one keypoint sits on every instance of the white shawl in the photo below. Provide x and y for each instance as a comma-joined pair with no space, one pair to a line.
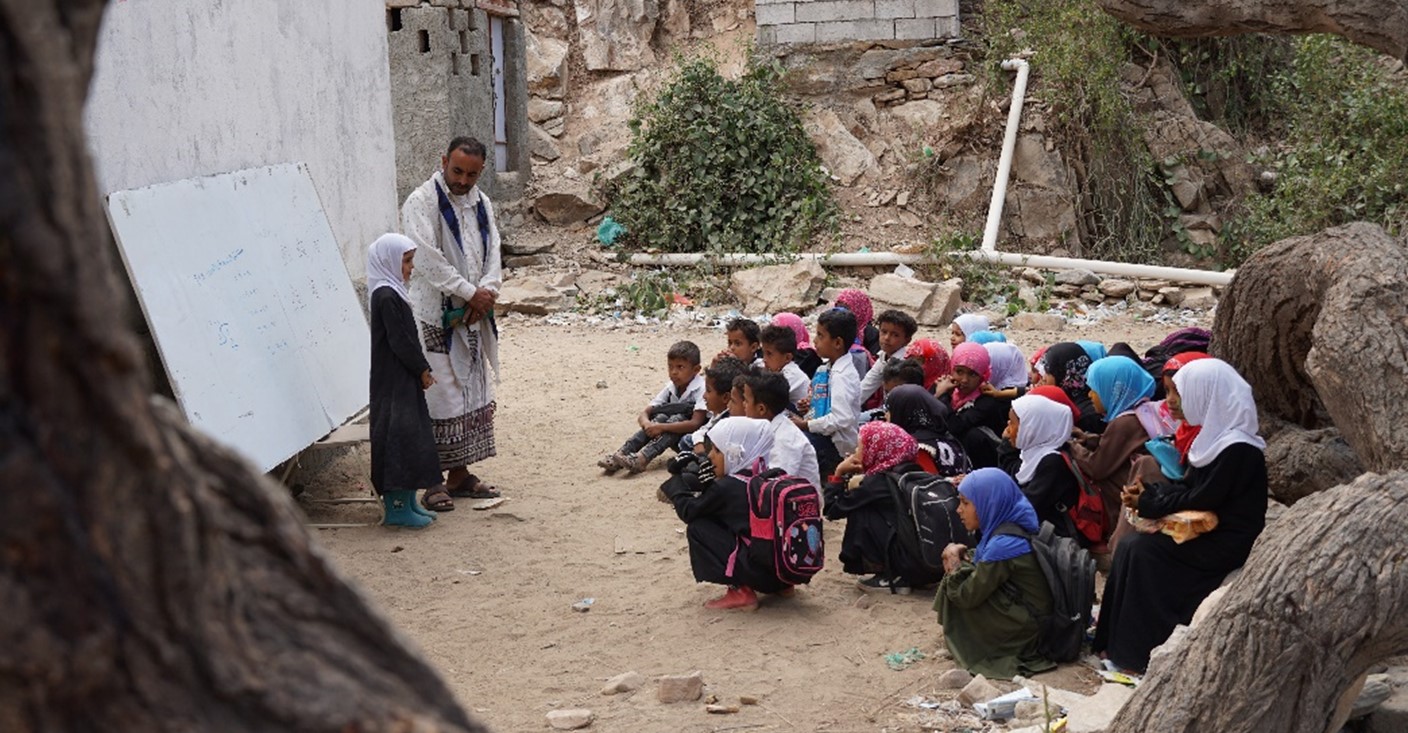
742,440
384,264
1045,427
1216,397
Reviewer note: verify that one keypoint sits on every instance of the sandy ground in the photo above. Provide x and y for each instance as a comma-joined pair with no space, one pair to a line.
487,595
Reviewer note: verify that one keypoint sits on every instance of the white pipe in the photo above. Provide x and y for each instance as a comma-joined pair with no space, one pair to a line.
1009,145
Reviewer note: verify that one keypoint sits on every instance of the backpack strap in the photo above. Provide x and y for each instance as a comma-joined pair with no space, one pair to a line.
1081,480
1009,588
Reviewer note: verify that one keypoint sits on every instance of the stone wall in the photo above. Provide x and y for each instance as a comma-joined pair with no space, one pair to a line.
836,21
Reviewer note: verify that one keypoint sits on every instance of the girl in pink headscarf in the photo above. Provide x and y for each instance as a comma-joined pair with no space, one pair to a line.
977,419
858,303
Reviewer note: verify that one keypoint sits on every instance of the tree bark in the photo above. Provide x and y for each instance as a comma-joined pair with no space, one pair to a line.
1321,600
151,579
1302,462
1374,23
1319,326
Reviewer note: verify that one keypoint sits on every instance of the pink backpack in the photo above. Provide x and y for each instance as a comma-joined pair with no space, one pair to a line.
784,519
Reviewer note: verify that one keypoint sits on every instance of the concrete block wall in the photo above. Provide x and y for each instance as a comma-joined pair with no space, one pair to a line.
839,21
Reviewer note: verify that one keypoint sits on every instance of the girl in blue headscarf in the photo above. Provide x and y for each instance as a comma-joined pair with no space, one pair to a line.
1119,388
986,629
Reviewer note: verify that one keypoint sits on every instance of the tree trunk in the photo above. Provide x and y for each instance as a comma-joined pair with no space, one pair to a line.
1378,25
1302,462
150,579
1319,326
1321,600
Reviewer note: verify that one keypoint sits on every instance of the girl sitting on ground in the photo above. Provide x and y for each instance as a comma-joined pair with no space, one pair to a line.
1034,452
920,414
977,419
1064,366
1119,387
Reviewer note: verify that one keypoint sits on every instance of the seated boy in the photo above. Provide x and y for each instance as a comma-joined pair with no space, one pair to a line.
896,331
765,398
718,387
742,341
779,347
673,412
895,373
832,422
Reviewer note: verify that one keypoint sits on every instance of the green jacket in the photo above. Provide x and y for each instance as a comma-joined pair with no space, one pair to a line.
987,632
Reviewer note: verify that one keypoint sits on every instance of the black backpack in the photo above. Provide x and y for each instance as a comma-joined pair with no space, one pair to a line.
1070,571
927,521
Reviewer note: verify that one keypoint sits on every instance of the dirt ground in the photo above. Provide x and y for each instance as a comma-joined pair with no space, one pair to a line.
488,595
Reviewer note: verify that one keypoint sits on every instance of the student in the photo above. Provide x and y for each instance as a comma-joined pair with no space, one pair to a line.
977,419
765,398
987,337
805,356
712,500
964,326
1034,452
403,444
869,546
1184,434
779,347
1066,364
1010,373
834,405
1037,368
867,336
986,630
900,372
934,358
916,411
718,388
743,344
673,413
1156,583
1118,386
896,331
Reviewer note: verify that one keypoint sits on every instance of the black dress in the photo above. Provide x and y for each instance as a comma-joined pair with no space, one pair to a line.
1156,584
966,424
403,446
716,517
1052,490
869,544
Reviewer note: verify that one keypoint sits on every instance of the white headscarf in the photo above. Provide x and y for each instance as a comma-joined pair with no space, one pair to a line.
1216,397
384,264
742,440
1009,366
972,323
1046,426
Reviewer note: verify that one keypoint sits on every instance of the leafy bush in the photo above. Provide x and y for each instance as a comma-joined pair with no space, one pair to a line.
722,166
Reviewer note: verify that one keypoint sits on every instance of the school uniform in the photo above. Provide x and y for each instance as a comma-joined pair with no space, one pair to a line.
403,456
669,406
799,385
792,452
833,419
875,377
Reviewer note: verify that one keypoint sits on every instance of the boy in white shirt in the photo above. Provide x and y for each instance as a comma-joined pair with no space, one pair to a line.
779,347
765,398
718,390
897,329
673,413
832,421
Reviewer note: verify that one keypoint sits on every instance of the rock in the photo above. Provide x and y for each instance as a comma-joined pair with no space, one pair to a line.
1033,163
530,295
1093,714
545,66
1391,716
902,199
542,110
591,282
1032,275
617,172
777,288
1171,295
676,20
1376,690
846,157
916,87
681,688
1028,296
931,304
624,682
910,219
1199,298
953,80
922,113
615,34
720,709
1092,297
527,247
1037,322
1116,288
526,261
568,202
570,719
964,186
542,145
940,67
1030,710
1067,291
978,690
954,679
1077,277
1154,286
1041,215
748,699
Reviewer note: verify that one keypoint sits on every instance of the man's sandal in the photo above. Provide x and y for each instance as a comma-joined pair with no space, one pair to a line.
437,499
472,488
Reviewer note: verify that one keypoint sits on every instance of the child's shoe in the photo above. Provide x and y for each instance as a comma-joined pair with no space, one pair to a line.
612,463
740,598
635,463
400,511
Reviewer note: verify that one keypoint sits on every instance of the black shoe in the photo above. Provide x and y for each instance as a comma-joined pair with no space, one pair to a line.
882,584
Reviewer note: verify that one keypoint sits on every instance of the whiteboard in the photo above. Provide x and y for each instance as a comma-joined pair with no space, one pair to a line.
251,306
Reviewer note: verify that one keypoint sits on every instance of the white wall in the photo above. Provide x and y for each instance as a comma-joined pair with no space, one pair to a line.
188,88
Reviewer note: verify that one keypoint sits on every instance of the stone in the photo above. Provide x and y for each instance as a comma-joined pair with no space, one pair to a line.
940,67
1171,295
846,157
1076,277
531,296
681,688
1037,322
543,19
1093,714
1154,285
570,719
1199,298
1030,710
1391,716
542,110
624,682
910,219
902,199
954,679
978,690
953,80
931,304
916,86
615,34
1028,296
776,288
591,282
1032,275
1040,214
1093,296
1033,163
921,113
542,145
967,184
527,247
544,61
617,172
720,709
1066,291
567,202
748,699
1377,689
1116,288
893,95
526,261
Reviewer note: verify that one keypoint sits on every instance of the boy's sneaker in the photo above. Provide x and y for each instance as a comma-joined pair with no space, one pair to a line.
609,464
634,463
881,584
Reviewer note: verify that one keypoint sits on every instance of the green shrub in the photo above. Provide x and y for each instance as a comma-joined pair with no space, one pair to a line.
722,165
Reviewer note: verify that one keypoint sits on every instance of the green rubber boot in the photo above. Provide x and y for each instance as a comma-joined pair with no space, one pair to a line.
400,510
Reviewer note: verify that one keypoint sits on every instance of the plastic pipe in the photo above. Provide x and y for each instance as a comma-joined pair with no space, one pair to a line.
1009,145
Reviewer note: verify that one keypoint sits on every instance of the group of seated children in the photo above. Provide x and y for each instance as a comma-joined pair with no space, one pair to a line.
1152,463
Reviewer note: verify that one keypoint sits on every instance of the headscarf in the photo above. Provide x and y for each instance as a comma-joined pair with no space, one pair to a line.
742,440
1186,339
884,445
998,500
1183,437
1066,362
384,264
975,357
1056,394
1121,383
1094,349
917,412
971,323
1216,397
1046,426
934,358
1038,361
794,322
988,337
1009,367
858,303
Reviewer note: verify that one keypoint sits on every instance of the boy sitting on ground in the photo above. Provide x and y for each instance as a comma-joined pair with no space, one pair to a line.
742,336
832,421
765,398
896,331
779,347
671,414
718,389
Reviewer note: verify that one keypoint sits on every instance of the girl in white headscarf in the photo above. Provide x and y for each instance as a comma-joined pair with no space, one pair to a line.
965,326
710,495
1157,582
1034,453
403,444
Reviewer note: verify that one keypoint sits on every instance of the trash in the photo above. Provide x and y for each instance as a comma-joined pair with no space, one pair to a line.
480,505
601,384
904,270
928,152
923,703
1002,706
899,660
470,572
608,231
583,605
633,348
1119,678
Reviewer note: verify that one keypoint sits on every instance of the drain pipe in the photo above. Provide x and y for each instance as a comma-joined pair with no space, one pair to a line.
1009,145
